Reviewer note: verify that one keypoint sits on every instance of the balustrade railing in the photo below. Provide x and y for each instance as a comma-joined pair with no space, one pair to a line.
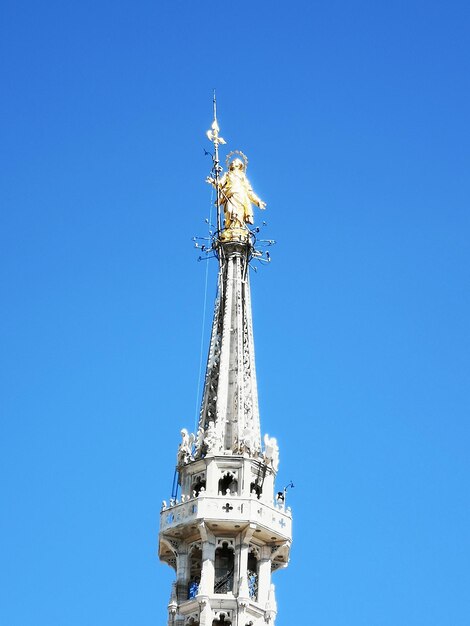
227,508
224,584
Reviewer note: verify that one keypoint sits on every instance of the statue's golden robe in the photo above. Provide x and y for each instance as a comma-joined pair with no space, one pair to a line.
236,197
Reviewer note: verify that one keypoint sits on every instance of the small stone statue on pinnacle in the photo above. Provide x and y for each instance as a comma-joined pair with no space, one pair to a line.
185,448
271,451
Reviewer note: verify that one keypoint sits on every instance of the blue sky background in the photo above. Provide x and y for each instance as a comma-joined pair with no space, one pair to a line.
354,116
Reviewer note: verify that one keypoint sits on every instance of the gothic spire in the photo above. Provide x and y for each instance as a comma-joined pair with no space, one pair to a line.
229,419
227,533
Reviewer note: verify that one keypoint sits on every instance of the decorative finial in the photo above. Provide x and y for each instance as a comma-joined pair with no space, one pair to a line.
213,132
213,135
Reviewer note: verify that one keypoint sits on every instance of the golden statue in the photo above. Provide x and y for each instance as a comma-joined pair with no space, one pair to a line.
236,198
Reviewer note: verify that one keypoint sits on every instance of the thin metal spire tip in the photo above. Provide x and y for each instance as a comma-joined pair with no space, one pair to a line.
213,136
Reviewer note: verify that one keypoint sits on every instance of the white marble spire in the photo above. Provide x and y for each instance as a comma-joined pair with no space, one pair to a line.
226,532
229,420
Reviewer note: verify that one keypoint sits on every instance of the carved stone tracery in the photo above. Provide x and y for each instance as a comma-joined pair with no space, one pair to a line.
232,413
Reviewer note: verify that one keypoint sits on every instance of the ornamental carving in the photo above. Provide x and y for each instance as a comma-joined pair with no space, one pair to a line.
223,615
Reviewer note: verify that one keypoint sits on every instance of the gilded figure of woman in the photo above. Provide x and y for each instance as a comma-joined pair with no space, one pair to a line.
237,196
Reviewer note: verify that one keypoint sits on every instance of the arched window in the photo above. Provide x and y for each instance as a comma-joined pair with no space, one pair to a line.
256,489
197,486
252,573
224,567
229,483
195,567
222,621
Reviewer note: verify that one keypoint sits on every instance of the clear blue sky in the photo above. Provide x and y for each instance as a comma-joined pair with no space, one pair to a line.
355,118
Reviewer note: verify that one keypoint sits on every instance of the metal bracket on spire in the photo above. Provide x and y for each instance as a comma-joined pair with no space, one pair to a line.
281,495
260,255
208,245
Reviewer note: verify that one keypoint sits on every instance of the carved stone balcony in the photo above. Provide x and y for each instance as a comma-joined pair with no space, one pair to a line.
225,512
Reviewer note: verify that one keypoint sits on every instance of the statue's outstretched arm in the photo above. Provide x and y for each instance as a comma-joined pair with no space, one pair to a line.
212,181
255,199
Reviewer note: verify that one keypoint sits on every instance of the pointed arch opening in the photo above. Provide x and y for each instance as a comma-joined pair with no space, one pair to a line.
228,484
222,621
198,485
224,568
256,489
252,572
195,569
